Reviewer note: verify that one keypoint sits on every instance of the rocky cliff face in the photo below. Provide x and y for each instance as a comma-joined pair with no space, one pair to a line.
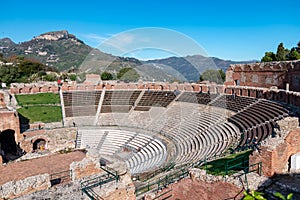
56,35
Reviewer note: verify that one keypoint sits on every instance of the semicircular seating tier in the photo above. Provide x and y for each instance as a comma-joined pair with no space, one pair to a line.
151,128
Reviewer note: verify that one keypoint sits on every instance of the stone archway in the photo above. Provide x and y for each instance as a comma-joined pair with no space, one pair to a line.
193,88
9,149
39,144
161,87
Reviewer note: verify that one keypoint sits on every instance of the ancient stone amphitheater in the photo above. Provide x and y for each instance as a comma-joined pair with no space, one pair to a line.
150,128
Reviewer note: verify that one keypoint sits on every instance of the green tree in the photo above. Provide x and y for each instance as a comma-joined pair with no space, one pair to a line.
50,77
9,74
212,75
298,47
27,68
269,57
72,77
281,52
128,74
106,76
294,54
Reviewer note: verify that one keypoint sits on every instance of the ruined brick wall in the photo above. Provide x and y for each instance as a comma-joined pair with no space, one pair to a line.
113,85
90,167
10,120
276,152
93,82
28,185
266,74
56,139
289,97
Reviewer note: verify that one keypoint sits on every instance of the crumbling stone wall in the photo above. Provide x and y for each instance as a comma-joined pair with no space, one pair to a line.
273,94
31,184
10,120
56,139
87,167
22,88
275,152
265,74
90,166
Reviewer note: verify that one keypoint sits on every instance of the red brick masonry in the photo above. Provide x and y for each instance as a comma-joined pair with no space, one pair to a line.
48,164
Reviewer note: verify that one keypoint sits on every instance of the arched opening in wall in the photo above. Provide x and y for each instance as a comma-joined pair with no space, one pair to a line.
241,92
161,87
232,91
193,88
9,150
49,89
40,89
270,95
281,96
248,93
30,90
39,144
256,94
20,90
237,82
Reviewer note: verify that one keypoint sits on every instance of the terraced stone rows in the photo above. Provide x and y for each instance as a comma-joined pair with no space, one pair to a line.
197,98
257,121
157,98
80,98
81,103
148,152
197,137
198,134
234,103
120,97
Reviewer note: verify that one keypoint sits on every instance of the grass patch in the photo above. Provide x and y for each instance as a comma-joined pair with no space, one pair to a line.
41,113
234,163
40,98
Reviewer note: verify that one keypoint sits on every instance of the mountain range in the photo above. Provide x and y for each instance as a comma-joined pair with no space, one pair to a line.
65,51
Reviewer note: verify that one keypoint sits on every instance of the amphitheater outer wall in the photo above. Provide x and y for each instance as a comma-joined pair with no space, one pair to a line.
284,75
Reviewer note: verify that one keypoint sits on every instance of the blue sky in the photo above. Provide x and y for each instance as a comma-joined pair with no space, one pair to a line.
236,30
